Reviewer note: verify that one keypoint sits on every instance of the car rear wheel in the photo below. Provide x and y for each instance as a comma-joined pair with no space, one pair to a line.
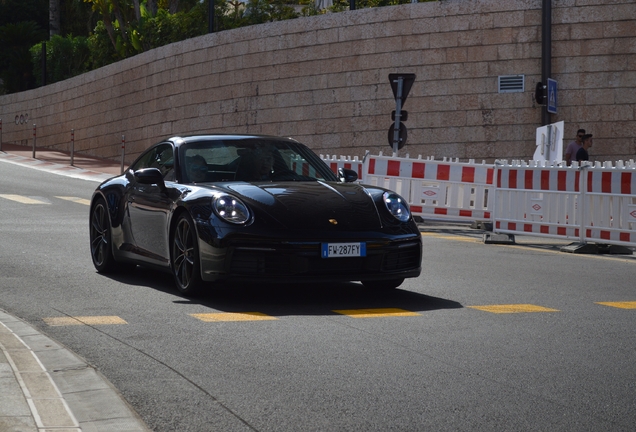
383,284
101,248
185,256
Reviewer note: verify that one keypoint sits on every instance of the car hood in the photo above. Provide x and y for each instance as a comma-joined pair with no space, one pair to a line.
312,205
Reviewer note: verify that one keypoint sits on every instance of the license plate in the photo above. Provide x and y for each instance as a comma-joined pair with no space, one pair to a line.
343,250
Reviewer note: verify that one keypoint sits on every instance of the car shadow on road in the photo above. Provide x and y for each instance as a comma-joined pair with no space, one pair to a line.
314,299
287,299
144,276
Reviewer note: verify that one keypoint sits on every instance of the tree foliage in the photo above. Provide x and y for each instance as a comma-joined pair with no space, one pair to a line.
95,33
77,18
16,69
15,11
22,24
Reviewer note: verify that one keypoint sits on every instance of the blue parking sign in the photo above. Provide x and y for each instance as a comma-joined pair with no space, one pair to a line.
552,96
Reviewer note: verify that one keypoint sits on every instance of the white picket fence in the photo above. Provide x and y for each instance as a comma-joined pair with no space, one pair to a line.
590,203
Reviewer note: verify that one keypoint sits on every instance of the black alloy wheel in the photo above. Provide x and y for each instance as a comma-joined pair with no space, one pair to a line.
101,248
184,256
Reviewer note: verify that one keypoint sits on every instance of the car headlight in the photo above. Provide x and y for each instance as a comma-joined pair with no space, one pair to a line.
231,209
397,206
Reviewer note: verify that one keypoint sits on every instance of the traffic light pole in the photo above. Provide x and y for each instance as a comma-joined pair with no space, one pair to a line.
546,53
211,16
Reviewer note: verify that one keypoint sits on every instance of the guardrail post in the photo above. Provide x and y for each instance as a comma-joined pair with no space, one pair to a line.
123,152
582,247
583,203
72,147
34,134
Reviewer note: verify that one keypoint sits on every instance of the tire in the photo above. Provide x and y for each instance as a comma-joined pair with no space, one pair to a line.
184,256
100,238
383,284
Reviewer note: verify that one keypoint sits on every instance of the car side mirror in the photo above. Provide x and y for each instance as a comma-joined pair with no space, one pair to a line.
347,175
150,176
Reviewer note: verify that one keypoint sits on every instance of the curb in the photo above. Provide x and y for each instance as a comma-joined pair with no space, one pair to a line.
47,387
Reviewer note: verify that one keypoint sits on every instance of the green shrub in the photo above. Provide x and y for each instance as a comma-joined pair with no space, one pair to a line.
66,57
166,28
101,49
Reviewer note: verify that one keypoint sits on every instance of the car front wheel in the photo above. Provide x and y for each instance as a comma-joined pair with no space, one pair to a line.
101,248
185,256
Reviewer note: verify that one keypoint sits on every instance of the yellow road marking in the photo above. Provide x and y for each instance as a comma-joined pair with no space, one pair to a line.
452,237
376,313
513,308
75,200
84,320
620,305
232,316
22,199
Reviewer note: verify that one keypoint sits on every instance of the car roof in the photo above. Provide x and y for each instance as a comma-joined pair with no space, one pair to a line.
184,139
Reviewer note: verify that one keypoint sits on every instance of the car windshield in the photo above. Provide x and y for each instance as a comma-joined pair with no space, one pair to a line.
250,160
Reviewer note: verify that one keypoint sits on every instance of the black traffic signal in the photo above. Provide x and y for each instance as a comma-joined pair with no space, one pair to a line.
540,93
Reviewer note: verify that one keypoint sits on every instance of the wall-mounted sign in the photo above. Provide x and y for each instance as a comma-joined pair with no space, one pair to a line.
21,119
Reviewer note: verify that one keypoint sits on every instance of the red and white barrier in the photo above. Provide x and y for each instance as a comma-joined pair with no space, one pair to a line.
344,162
610,205
435,188
536,200
301,167
589,204
594,203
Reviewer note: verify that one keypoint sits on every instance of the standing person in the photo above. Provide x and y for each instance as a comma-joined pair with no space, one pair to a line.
573,147
582,154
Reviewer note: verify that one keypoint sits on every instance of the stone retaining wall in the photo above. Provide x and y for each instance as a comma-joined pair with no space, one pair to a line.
324,81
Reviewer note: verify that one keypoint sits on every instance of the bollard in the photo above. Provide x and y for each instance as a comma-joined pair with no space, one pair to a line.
0,134
123,152
34,128
72,147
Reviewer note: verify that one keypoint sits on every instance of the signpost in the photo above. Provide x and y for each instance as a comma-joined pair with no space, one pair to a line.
401,85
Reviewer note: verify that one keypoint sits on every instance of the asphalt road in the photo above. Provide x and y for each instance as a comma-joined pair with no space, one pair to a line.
433,355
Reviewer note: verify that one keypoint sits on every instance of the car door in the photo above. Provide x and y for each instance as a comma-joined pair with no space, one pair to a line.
149,207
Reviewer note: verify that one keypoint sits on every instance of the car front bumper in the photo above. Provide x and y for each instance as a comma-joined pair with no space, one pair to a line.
301,261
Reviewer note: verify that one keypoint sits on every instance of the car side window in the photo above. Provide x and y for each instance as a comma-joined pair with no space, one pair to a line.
160,157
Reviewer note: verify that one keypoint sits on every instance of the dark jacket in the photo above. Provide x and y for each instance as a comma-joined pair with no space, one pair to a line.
582,155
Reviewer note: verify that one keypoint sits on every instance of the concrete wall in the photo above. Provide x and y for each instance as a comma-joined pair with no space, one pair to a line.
324,81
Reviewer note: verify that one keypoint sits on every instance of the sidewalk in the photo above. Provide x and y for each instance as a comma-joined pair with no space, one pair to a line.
44,386
60,162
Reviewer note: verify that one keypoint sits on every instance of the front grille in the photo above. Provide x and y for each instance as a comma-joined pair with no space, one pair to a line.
402,259
255,263
304,263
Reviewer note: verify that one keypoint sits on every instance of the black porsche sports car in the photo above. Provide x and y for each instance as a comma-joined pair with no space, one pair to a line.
250,208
